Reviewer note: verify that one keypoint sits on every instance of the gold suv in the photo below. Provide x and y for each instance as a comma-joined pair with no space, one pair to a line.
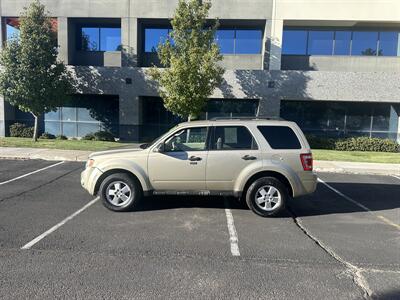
262,161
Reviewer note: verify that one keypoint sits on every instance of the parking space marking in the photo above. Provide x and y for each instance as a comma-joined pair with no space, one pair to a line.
382,218
233,237
31,173
55,227
396,177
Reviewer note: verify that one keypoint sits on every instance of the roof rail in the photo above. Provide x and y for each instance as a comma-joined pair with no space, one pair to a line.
246,118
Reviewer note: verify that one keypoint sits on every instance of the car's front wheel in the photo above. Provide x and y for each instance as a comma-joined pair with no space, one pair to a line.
267,196
120,192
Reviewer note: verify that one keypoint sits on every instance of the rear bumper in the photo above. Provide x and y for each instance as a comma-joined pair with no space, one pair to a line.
89,178
308,184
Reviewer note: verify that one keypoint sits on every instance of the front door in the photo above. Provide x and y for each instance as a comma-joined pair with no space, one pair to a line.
181,166
232,149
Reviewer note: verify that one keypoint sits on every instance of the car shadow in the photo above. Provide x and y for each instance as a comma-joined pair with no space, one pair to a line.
377,197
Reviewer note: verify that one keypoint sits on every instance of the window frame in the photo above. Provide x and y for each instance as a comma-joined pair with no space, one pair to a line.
207,141
254,147
98,27
378,30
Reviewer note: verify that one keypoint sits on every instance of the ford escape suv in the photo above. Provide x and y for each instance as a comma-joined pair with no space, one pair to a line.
261,161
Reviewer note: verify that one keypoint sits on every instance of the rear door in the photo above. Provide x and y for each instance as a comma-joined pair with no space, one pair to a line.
232,148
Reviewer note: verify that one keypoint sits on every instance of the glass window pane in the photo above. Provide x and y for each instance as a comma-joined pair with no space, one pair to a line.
342,42
248,41
232,138
68,114
85,128
84,115
12,28
69,129
153,37
52,116
381,117
294,42
364,43
280,137
110,39
52,127
320,42
225,40
90,39
388,43
191,139
358,117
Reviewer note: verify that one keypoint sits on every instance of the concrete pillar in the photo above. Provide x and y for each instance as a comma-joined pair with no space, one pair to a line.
62,34
275,43
129,117
129,37
269,106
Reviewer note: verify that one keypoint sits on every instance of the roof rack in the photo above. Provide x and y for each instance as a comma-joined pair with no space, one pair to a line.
247,118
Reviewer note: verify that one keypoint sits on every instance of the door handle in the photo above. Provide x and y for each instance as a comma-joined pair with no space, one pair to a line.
249,157
194,158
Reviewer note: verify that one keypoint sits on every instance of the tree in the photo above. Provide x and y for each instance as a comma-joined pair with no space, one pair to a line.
190,57
31,77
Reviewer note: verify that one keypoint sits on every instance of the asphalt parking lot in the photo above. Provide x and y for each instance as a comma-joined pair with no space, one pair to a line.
343,242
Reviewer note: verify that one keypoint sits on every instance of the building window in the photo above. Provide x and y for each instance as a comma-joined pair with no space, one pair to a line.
153,37
320,42
338,119
364,43
230,41
83,115
230,108
340,42
100,39
13,24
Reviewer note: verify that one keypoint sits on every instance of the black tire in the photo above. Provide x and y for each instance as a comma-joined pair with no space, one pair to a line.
135,195
275,208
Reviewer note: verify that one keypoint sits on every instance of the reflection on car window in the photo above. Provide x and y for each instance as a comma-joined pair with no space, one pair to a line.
190,139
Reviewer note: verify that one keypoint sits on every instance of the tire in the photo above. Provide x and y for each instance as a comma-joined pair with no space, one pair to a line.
120,192
272,195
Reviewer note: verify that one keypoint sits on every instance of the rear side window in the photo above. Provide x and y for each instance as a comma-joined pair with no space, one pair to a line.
232,138
280,137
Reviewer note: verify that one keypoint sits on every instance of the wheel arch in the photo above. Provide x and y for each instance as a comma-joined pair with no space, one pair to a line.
114,171
282,178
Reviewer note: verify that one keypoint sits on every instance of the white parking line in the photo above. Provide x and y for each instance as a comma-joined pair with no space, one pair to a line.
55,227
396,177
382,218
232,231
31,173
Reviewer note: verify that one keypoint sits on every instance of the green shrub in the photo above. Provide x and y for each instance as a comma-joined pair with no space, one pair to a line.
104,136
21,130
354,144
99,136
321,143
367,144
61,137
47,136
88,137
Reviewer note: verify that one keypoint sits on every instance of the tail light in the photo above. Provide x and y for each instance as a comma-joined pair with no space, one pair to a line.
306,161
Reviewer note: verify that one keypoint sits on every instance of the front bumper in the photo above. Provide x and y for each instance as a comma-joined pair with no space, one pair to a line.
89,178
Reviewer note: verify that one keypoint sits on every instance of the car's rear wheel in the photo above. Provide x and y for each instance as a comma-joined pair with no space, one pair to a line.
120,192
267,196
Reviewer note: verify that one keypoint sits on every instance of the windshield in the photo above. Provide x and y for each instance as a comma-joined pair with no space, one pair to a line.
157,139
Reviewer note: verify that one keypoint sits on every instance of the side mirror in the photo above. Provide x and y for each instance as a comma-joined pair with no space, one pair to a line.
143,146
160,148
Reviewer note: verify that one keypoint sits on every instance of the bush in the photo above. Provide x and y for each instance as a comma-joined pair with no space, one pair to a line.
99,136
61,137
367,144
21,130
88,137
47,136
354,144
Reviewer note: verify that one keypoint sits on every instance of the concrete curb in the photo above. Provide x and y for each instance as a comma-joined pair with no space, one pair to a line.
319,166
